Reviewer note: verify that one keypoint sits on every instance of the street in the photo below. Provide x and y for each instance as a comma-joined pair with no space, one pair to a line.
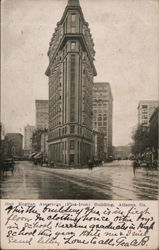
112,181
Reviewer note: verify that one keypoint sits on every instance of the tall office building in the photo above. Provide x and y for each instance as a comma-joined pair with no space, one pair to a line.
42,114
145,110
28,133
71,71
103,113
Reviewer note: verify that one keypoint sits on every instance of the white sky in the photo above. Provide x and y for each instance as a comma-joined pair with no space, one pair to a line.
125,34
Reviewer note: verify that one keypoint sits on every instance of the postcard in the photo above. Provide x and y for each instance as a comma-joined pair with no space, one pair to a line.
79,124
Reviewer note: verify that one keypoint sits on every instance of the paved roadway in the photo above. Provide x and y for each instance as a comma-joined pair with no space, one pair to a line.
111,181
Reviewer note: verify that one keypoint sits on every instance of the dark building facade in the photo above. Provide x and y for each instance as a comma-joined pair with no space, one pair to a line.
71,71
98,145
42,110
15,144
154,133
103,113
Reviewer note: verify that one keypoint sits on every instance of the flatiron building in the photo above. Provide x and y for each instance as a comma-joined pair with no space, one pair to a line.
71,70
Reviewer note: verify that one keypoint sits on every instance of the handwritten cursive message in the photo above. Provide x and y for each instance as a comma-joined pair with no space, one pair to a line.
52,224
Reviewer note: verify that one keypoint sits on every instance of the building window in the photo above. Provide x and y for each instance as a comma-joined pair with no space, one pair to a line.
72,90
144,106
65,130
104,118
73,18
72,144
99,124
73,29
72,129
72,157
94,118
73,45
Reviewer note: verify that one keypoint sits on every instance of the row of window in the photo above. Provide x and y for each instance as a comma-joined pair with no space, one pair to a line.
100,124
72,89
102,90
99,118
73,27
55,40
144,106
99,104
100,111
54,110
144,117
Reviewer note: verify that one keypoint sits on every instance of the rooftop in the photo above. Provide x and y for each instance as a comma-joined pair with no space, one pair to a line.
101,83
148,101
73,3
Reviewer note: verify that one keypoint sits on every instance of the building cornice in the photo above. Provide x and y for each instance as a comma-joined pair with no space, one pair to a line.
71,7
64,39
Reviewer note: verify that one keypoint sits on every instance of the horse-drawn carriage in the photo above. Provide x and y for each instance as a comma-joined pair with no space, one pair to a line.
148,164
7,165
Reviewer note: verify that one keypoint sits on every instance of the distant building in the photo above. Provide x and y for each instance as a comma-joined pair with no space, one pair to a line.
15,144
42,112
103,113
122,152
28,133
40,142
71,70
145,110
36,140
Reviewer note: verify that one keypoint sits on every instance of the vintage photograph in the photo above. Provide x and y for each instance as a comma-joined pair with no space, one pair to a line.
79,91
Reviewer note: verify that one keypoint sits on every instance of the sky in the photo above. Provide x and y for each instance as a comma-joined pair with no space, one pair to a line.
125,34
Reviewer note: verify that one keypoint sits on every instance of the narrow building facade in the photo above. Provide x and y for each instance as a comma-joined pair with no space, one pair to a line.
28,133
103,113
71,71
145,110
42,114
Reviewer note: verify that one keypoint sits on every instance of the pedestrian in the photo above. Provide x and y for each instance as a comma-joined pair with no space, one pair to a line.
135,165
90,164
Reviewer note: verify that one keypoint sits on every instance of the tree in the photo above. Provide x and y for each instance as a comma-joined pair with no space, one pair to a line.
145,138
140,140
